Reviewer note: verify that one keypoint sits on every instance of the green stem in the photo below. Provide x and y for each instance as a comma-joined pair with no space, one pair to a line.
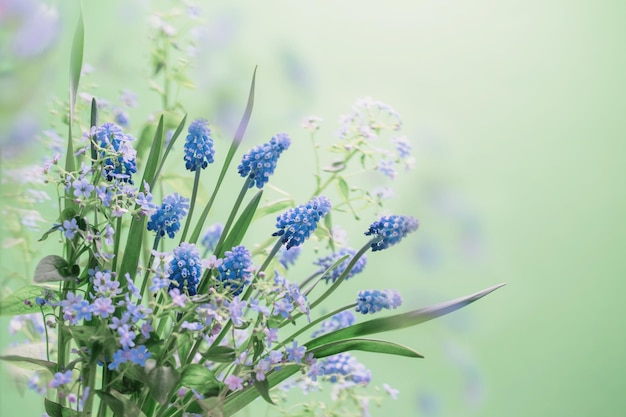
144,284
194,194
116,243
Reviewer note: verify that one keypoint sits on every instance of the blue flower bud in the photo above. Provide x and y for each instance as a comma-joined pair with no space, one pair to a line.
234,271
391,229
199,150
260,162
296,224
328,261
166,219
185,268
119,157
373,301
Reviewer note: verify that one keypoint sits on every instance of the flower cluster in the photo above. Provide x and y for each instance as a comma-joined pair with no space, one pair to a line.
133,321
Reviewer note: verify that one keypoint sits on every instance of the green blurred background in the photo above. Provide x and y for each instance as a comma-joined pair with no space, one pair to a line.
516,112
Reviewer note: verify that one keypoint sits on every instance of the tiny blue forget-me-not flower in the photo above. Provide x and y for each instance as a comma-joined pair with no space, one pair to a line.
199,150
390,230
166,219
296,224
260,162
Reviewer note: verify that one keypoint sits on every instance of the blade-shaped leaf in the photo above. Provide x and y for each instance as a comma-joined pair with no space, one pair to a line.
162,380
175,136
220,354
240,228
274,207
241,130
366,345
76,61
132,250
30,363
398,321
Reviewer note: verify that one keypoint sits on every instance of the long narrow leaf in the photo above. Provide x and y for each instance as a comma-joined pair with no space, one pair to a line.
241,226
398,321
76,62
365,345
241,130
132,251
175,136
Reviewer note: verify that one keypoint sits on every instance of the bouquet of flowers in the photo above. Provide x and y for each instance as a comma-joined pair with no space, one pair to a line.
151,307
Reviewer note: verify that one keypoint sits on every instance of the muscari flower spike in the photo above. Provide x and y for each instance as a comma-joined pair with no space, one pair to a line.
234,271
119,156
345,367
373,301
212,236
296,224
185,268
199,150
338,321
391,230
328,261
167,218
260,162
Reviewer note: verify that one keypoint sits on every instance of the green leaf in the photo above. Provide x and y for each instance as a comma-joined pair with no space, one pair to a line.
93,123
398,321
132,251
219,354
30,363
240,228
273,207
52,268
57,410
366,345
198,377
343,188
76,61
213,406
13,304
175,136
162,380
120,404
263,387
238,138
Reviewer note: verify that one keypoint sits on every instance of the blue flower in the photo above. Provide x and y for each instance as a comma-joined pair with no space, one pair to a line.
82,188
336,322
289,256
260,162
373,301
69,228
234,271
199,151
212,236
295,353
344,367
296,224
167,218
328,261
403,146
119,157
61,378
390,230
185,269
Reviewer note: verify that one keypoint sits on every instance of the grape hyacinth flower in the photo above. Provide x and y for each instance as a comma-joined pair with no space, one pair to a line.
119,157
345,367
234,272
199,150
338,321
167,218
212,236
289,256
373,301
390,230
296,224
260,162
328,261
185,269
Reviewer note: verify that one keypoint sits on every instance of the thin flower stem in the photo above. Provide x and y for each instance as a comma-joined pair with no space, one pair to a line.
192,203
233,212
116,243
311,324
155,246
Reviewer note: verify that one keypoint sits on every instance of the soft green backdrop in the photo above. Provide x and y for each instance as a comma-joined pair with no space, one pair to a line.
516,113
